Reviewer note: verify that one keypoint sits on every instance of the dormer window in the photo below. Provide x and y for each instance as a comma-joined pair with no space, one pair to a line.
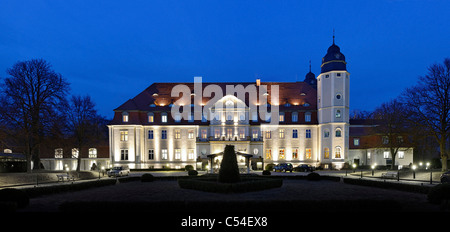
124,117
164,117
151,117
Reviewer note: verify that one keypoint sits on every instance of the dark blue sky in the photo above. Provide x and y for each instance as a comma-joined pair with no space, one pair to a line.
112,50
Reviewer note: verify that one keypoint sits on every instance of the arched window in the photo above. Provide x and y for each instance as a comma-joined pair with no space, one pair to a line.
338,132
337,154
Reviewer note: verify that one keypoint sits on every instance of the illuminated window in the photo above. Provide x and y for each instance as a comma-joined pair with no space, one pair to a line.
151,154
216,133
268,134
338,113
124,135
59,153
295,153
151,117
401,154
164,155
177,134
190,134
204,134
281,154
326,153
281,117
268,154
308,153
254,133
241,133
177,154
75,153
229,133
92,153
356,141
125,117
281,132
386,155
164,117
124,154
337,154
191,154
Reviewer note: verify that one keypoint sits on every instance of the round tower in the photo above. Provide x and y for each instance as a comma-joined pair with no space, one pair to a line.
333,108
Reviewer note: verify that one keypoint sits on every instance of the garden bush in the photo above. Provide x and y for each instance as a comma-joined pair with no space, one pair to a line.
192,173
15,195
188,168
266,173
439,193
147,177
313,176
269,167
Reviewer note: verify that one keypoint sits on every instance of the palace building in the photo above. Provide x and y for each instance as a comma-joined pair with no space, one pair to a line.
307,122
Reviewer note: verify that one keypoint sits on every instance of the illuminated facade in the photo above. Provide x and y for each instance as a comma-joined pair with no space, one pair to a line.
312,122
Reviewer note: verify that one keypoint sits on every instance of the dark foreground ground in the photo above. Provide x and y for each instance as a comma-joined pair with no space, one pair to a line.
293,196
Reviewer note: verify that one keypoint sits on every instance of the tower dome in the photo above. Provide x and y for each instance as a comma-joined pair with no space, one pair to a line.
334,60
310,77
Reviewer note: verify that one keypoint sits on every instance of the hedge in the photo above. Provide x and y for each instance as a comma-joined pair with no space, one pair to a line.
388,185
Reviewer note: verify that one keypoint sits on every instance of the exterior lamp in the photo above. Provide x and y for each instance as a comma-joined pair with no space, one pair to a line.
354,167
414,171
373,167
428,165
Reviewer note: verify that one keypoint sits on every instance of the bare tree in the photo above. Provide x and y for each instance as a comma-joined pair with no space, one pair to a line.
30,98
83,124
392,127
428,103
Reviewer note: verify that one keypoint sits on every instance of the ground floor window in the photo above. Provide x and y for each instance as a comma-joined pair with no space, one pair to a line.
164,155
268,154
295,153
337,155
151,154
282,154
124,154
326,153
308,153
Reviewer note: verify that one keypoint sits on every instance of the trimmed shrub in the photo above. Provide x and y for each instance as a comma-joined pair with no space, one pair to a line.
229,170
192,173
147,177
188,168
313,176
439,193
15,195
266,173
245,185
269,167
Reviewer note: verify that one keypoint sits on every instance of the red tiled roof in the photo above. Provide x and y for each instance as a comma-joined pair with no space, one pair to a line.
157,98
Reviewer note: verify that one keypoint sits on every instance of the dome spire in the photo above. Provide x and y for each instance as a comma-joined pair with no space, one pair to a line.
333,35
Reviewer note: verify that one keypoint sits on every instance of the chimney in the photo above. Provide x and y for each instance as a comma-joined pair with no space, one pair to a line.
258,82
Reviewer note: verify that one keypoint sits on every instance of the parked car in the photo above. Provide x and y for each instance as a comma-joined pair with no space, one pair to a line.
283,167
445,177
119,171
304,168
